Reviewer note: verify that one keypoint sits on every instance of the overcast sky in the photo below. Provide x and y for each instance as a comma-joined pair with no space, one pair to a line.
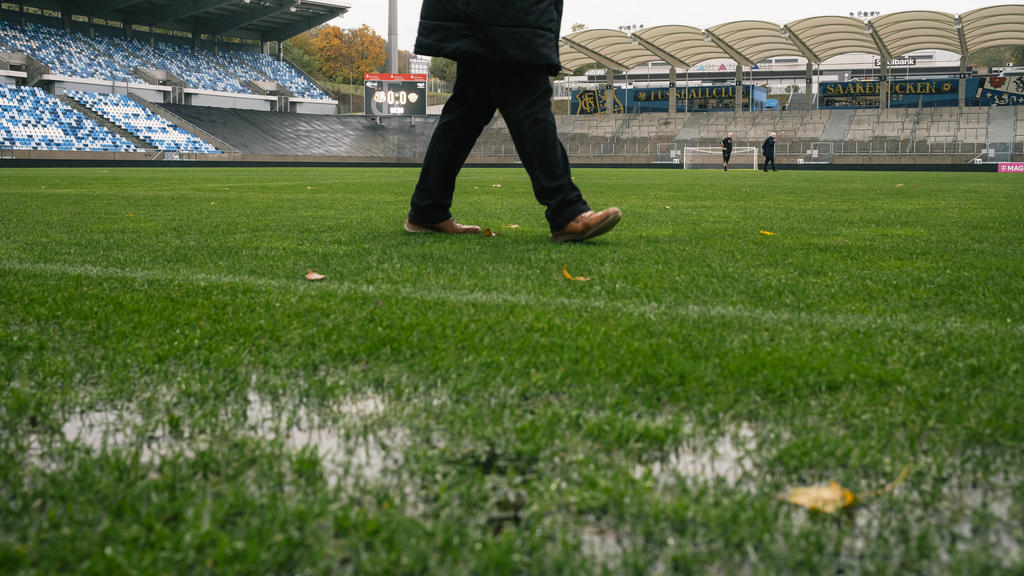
615,13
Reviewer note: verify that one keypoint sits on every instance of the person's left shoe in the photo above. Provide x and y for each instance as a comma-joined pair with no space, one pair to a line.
449,226
588,225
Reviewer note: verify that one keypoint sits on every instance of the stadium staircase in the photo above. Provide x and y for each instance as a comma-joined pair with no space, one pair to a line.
690,131
838,126
1002,132
185,125
798,101
107,124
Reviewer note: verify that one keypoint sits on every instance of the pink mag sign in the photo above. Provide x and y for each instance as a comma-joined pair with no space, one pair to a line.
1017,167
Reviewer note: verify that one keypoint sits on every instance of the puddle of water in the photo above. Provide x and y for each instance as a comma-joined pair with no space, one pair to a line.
993,498
725,459
601,545
344,456
101,428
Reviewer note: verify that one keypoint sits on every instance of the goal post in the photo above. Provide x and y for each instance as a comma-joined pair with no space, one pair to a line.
710,157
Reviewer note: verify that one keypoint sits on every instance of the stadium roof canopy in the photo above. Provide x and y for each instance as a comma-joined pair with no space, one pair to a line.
263,20
817,39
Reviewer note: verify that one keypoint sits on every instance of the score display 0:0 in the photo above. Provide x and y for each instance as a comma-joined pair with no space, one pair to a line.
391,97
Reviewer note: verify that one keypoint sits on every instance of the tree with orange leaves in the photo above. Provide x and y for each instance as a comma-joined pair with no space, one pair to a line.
345,55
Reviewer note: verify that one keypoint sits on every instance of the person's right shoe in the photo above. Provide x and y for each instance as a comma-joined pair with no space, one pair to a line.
588,225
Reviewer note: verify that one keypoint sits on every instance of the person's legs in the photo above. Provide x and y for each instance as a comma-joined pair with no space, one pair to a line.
464,117
525,103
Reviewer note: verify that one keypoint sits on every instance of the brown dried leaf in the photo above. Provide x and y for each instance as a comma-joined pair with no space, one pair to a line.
487,232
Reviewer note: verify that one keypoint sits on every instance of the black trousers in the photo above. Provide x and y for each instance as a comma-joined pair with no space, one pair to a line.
523,95
768,159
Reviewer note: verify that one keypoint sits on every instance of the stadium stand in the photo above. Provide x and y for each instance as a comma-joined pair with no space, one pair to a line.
65,53
116,59
35,120
136,119
281,73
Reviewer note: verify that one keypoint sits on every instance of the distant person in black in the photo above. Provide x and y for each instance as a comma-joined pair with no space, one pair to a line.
726,151
768,149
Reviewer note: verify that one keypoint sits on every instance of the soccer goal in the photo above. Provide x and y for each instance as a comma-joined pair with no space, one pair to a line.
704,157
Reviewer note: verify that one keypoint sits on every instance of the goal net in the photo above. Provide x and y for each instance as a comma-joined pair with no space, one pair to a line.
704,157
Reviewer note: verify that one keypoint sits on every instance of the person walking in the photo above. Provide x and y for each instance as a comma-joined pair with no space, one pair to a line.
518,40
726,151
768,149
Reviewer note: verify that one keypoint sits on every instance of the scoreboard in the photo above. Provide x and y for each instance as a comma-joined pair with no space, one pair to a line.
395,94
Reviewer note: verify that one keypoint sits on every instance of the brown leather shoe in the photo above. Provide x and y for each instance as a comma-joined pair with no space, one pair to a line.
588,225
449,226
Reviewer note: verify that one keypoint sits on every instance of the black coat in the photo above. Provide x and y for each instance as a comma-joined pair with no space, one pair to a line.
768,148
523,32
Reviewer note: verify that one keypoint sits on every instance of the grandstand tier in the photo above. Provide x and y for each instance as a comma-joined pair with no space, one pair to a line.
108,58
35,120
138,120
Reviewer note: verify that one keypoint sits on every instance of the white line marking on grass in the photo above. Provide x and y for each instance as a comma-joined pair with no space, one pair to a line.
952,324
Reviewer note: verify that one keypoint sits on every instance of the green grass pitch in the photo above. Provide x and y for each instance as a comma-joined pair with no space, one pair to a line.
176,398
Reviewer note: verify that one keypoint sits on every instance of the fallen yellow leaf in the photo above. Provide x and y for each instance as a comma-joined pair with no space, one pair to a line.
825,499
565,271
767,233
834,497
495,185
512,226
312,276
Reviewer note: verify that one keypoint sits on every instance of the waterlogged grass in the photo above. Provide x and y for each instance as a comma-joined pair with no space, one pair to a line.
175,397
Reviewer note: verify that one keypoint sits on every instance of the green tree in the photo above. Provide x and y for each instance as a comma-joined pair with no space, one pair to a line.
403,61
994,56
1017,55
443,69
302,51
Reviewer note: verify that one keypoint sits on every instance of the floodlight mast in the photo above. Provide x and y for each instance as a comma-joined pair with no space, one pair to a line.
393,36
